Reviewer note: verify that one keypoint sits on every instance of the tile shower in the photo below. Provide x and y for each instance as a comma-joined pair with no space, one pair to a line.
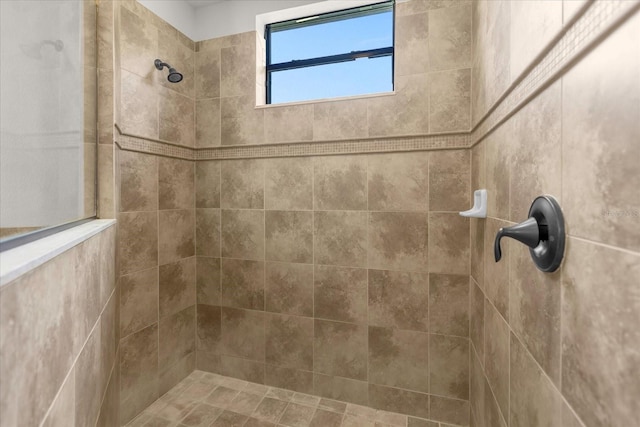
351,276
342,276
341,283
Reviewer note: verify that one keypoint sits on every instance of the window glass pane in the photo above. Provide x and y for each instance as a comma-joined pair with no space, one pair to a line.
363,76
332,38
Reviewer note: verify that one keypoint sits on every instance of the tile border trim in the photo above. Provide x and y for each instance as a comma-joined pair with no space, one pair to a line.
294,149
592,24
327,148
141,144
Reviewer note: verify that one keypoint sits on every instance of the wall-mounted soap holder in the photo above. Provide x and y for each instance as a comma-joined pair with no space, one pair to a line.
479,209
543,232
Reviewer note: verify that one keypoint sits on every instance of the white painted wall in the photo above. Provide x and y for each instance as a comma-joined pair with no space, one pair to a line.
237,16
178,13
219,19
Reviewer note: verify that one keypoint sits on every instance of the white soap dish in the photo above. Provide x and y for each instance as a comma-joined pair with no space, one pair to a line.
479,209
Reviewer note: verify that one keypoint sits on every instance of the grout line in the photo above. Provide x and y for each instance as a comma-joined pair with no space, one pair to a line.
495,401
157,277
389,211
264,272
368,261
422,272
562,266
484,331
195,259
539,367
604,245
313,276
510,262
428,266
471,346
530,355
70,373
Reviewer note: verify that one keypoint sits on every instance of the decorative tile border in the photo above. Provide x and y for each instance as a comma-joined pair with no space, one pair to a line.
149,146
294,149
592,25
324,148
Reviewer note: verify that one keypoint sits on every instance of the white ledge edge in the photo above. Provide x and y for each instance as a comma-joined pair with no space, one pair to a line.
18,261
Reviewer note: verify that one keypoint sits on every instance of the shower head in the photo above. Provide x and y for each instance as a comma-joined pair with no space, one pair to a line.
174,76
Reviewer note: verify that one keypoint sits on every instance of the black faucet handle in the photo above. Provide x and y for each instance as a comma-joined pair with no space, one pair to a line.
543,232
527,232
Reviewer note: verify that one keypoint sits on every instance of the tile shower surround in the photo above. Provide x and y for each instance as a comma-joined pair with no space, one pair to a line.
494,399
531,349
59,340
155,206
314,269
157,276
558,349
266,312
218,95
257,226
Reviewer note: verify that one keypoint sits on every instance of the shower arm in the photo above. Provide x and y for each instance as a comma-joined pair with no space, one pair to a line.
160,65
174,76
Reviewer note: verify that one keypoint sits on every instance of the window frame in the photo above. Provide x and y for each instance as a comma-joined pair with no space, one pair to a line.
317,19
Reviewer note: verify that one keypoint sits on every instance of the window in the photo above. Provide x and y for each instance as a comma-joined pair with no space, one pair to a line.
343,53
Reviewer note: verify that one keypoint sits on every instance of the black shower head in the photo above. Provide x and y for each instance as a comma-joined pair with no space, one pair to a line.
174,76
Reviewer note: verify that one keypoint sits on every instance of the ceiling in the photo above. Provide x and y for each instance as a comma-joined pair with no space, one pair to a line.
201,3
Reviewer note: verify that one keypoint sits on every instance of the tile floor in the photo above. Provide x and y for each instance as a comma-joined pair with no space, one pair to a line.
204,399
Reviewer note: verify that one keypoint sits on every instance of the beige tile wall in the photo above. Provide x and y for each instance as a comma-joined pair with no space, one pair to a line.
561,348
293,254
156,209
555,332
274,236
59,340
432,87
344,276
148,105
157,276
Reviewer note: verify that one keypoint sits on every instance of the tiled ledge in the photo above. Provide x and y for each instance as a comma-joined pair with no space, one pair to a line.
18,261
591,25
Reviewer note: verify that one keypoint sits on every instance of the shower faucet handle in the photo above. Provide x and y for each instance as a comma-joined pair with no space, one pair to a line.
527,232
542,232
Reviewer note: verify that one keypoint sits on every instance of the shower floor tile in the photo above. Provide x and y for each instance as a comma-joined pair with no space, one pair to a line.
204,399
